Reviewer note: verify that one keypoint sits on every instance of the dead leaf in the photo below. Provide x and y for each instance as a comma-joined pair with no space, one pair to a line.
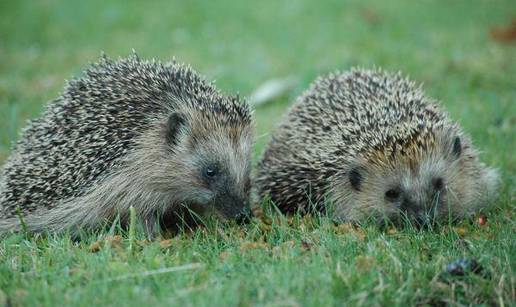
257,212
359,234
348,228
265,228
142,243
504,34
114,241
241,233
344,228
461,231
306,245
392,231
482,220
96,246
267,220
166,243
252,245
364,262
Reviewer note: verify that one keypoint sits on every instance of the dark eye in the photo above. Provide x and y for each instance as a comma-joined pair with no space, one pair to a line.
211,172
438,183
392,194
355,178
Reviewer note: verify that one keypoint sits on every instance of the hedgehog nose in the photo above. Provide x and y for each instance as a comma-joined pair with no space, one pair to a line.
416,216
414,211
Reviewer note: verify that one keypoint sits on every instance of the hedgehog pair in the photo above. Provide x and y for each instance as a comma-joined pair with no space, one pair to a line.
159,138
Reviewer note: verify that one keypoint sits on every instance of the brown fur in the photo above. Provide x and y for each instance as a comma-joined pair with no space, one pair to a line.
134,133
372,145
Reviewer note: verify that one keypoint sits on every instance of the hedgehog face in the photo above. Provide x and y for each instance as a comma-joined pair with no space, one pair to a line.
211,163
427,182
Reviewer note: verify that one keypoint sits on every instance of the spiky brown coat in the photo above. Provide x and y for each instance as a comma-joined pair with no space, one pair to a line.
129,133
371,144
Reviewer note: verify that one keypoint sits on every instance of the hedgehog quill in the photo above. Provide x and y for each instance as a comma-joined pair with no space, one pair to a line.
371,145
130,132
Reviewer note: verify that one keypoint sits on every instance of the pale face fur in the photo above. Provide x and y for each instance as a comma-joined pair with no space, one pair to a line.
205,166
425,185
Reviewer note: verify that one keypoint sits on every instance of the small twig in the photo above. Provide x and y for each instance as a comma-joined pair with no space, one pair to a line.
190,266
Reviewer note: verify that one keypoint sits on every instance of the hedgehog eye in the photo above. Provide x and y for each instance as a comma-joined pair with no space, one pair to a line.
438,183
392,195
457,147
355,178
211,171
174,122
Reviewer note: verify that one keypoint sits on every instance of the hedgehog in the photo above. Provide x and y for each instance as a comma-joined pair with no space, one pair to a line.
130,133
369,145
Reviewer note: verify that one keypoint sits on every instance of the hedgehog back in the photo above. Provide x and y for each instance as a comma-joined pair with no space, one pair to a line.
340,117
84,134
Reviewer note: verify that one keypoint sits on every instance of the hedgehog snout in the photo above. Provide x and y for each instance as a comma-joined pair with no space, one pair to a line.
415,211
411,207
420,204
233,207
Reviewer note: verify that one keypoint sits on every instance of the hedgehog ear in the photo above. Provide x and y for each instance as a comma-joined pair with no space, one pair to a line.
174,123
356,177
457,147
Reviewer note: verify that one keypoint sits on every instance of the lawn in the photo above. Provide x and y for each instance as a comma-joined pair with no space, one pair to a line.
273,261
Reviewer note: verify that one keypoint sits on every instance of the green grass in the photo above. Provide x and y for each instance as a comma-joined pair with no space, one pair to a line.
308,261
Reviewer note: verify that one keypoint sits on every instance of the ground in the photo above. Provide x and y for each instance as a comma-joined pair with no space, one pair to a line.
453,47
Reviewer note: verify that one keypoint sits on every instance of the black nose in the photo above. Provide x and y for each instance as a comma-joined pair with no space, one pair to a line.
243,217
438,184
414,213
